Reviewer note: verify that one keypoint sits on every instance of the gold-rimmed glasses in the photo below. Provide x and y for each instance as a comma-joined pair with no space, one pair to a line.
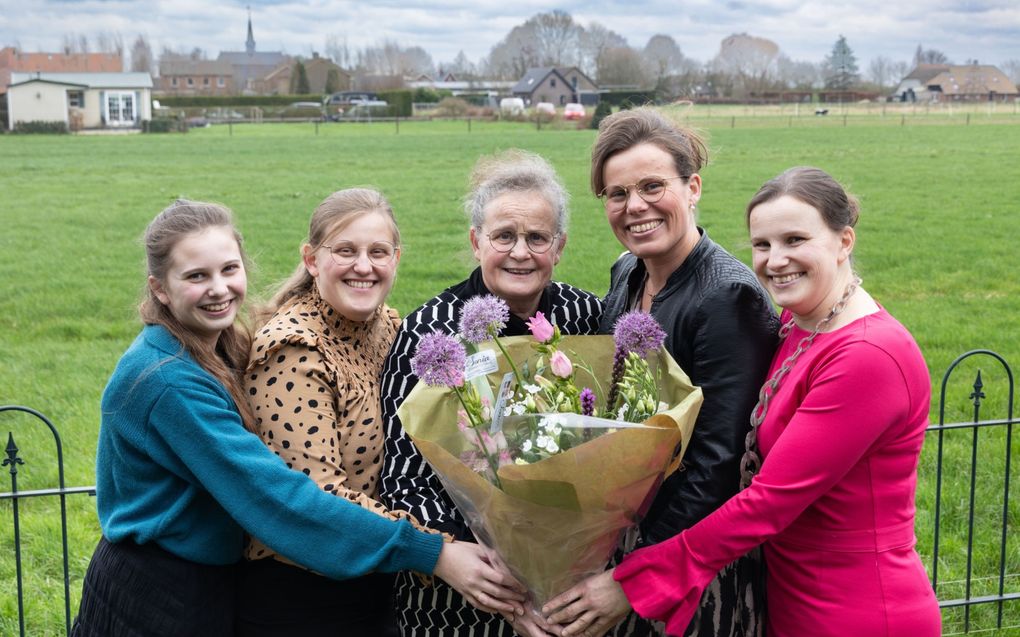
650,189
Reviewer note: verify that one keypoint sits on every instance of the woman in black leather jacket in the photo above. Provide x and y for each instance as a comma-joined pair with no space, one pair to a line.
720,327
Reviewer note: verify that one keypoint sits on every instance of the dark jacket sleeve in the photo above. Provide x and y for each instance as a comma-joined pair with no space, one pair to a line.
731,338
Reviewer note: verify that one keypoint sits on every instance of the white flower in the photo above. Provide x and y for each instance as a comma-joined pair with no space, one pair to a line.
520,461
532,389
622,412
526,445
542,441
552,447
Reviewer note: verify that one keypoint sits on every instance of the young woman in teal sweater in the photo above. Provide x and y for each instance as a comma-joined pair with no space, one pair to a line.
180,477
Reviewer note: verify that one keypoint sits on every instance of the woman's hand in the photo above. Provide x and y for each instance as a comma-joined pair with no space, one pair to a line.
591,608
531,623
466,567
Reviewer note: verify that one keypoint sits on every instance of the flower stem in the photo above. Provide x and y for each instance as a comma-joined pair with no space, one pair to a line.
481,443
513,366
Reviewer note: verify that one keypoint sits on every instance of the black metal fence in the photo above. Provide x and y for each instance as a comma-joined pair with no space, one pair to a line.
967,590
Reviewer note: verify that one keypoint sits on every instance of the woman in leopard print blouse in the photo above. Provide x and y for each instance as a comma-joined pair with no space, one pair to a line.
313,383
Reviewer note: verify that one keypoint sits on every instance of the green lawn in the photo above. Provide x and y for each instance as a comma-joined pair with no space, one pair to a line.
941,214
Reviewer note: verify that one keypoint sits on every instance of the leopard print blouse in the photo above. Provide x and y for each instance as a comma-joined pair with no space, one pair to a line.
313,382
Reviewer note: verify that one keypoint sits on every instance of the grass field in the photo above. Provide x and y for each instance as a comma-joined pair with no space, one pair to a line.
941,215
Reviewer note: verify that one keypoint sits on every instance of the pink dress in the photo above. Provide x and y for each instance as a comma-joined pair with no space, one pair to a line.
833,503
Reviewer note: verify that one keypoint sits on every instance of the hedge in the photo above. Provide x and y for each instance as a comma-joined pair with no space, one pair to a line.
179,101
399,100
635,98
37,126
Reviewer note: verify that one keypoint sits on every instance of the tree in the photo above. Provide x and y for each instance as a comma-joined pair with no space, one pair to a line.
929,56
141,56
663,57
299,80
338,51
545,39
602,111
594,42
1011,68
841,67
880,72
749,60
332,81
622,66
797,74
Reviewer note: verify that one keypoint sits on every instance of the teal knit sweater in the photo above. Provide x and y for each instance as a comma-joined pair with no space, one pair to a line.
176,466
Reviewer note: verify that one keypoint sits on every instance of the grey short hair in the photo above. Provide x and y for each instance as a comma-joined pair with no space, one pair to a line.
515,171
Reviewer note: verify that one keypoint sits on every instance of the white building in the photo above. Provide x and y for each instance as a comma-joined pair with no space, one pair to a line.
80,100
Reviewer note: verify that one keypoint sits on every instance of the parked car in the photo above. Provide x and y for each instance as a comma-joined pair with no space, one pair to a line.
509,106
545,107
573,110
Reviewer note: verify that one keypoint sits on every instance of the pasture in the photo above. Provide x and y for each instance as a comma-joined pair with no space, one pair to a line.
936,246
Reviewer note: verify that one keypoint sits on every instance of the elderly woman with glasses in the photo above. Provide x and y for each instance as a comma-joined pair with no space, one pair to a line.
518,221
720,327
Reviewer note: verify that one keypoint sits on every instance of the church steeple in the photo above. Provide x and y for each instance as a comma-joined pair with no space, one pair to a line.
249,46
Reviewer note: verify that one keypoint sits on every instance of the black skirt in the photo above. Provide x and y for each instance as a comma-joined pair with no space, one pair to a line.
134,591
279,600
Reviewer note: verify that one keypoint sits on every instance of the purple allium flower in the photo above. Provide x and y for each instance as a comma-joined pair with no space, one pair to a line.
483,317
439,360
638,332
587,402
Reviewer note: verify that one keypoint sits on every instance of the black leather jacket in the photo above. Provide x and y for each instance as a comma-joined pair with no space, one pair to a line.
722,330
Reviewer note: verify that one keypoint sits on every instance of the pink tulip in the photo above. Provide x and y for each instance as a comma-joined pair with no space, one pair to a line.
561,365
540,328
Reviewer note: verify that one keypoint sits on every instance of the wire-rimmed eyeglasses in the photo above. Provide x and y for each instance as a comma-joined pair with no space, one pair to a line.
537,241
380,253
650,189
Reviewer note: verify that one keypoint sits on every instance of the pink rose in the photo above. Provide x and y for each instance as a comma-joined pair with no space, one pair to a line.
561,365
540,328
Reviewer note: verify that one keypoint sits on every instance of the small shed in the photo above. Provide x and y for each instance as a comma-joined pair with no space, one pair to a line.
80,100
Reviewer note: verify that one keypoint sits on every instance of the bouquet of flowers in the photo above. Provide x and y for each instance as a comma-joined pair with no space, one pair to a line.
548,467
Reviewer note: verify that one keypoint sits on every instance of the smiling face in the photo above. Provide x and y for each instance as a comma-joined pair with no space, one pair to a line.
357,289
661,233
802,262
520,275
205,283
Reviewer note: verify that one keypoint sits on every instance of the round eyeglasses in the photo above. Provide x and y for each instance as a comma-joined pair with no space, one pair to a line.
380,253
650,189
538,242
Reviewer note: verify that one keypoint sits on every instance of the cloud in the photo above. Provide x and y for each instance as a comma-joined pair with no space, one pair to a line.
803,29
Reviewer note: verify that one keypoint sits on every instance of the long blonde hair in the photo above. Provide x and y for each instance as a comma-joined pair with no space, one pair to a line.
227,360
335,213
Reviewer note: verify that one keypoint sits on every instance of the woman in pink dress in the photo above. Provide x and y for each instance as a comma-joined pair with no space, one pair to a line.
838,427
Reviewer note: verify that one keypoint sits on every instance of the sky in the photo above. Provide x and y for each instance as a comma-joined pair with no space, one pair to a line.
986,30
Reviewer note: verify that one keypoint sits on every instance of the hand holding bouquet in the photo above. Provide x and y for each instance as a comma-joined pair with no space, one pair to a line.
547,466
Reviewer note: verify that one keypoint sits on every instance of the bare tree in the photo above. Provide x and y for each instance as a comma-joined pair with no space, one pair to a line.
460,66
929,56
337,50
545,39
110,42
880,72
749,60
663,57
75,43
798,74
1011,68
595,41
141,56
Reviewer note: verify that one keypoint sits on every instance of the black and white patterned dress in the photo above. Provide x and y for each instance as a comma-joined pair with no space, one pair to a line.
408,482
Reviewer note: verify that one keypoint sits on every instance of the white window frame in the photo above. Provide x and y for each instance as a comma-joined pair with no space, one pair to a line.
125,110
